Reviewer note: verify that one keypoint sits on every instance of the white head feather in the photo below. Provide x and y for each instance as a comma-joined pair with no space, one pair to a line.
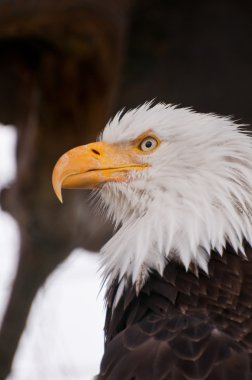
195,196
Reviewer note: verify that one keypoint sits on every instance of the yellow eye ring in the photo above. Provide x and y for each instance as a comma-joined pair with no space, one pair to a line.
148,144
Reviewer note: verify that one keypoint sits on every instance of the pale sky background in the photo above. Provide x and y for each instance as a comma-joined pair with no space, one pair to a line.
63,339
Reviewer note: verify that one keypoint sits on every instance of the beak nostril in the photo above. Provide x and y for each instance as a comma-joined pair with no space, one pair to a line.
96,152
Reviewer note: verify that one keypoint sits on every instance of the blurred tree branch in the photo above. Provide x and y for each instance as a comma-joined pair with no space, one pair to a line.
59,70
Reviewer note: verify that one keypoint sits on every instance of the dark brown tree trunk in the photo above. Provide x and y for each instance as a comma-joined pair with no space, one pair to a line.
59,70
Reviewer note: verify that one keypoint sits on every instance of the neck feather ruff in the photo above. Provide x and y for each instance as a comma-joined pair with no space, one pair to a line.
196,201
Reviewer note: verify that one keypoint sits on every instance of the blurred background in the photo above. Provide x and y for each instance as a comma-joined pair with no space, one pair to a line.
65,68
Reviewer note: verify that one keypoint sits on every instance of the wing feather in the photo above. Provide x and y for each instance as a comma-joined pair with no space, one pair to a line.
183,326
180,348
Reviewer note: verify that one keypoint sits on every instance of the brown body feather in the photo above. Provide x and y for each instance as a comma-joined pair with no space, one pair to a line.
183,327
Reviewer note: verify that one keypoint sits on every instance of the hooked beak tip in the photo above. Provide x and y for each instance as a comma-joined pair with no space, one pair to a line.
59,194
60,198
57,188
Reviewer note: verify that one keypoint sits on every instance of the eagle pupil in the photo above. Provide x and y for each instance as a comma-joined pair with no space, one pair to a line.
148,144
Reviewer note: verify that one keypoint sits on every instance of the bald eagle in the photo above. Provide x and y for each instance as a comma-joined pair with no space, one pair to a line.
178,270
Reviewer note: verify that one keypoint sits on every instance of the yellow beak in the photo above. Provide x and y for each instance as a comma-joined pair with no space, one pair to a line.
88,166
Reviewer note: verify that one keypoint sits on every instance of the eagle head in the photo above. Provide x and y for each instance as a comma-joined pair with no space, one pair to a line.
176,183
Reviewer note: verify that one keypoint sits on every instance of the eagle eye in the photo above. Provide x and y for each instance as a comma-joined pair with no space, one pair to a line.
149,143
